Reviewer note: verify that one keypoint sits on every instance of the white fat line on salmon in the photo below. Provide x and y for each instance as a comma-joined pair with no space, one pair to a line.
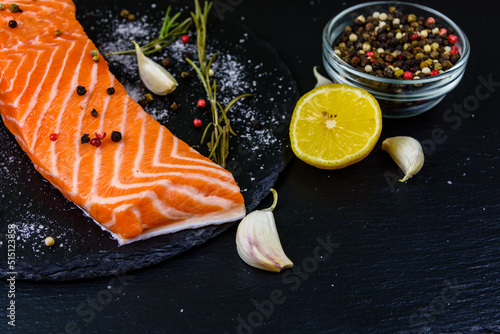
139,174
28,77
62,109
122,208
34,97
5,64
186,190
15,65
156,159
176,156
192,222
52,96
98,152
161,207
116,158
32,8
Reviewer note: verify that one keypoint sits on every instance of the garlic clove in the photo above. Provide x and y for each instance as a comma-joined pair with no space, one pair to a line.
258,243
321,80
154,76
407,153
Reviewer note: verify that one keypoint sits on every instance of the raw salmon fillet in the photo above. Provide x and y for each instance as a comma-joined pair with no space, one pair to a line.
147,184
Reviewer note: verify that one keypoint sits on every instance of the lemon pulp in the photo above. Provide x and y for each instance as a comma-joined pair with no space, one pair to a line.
335,125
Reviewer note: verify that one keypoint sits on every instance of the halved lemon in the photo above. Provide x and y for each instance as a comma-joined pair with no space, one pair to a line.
335,125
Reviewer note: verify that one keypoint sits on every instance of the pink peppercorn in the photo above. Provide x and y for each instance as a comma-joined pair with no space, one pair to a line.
197,122
414,37
201,103
430,20
408,75
100,136
454,49
369,53
95,142
53,136
185,39
452,39
442,32
434,72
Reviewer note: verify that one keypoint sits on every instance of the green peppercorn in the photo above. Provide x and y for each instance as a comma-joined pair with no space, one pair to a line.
94,113
57,33
2,6
116,136
399,73
15,8
94,53
411,18
434,55
96,59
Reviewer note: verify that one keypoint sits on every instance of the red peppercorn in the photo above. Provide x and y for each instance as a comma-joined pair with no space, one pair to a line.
54,136
201,103
95,142
408,75
100,136
414,37
442,32
434,72
185,39
430,20
369,53
452,39
454,49
197,122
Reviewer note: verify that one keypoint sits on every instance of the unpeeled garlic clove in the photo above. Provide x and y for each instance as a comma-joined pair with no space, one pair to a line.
407,153
258,243
321,80
154,76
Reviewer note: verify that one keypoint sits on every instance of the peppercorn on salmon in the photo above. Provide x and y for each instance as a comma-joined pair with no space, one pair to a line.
138,183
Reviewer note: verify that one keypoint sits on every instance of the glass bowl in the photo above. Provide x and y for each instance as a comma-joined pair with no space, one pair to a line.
397,98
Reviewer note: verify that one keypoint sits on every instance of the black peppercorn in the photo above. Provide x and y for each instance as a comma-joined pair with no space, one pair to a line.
110,91
85,138
388,72
80,90
455,58
94,113
12,24
116,136
407,42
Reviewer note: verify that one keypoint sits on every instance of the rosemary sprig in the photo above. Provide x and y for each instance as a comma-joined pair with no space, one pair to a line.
170,31
220,125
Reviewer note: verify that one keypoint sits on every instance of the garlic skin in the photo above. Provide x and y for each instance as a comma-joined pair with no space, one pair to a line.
154,76
407,153
258,243
321,80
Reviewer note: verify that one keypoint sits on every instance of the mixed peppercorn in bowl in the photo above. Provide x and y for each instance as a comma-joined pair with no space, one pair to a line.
406,55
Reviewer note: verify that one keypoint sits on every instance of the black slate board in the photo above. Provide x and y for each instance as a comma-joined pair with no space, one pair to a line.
258,154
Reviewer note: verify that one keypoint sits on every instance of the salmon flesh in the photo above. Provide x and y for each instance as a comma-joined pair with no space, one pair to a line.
146,184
